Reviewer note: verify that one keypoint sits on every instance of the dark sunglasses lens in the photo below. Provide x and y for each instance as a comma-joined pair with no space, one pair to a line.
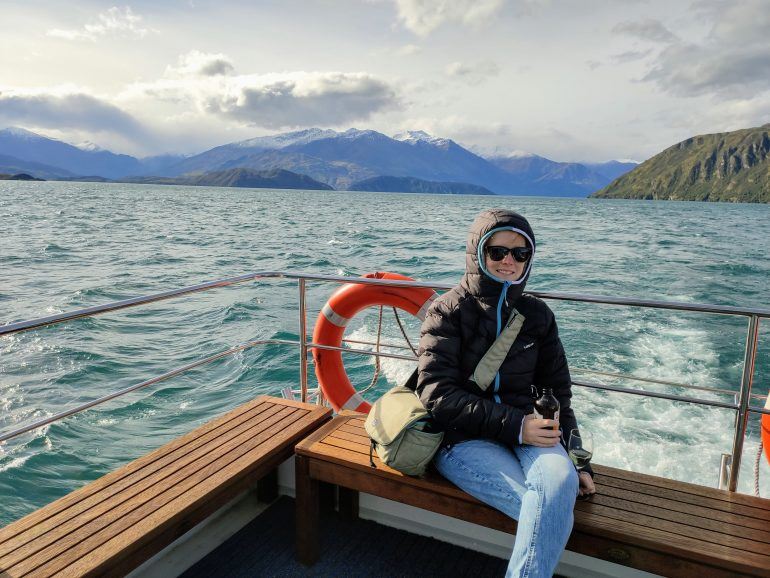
497,253
521,254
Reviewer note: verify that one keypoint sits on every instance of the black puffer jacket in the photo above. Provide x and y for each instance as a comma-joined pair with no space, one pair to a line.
460,327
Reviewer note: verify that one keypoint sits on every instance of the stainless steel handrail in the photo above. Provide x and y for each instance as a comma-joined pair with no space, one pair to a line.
174,372
742,407
558,296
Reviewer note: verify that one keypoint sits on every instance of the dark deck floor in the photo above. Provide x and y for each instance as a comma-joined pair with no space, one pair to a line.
265,547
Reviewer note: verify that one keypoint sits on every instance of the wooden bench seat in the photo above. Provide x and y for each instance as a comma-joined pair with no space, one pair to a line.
649,523
120,520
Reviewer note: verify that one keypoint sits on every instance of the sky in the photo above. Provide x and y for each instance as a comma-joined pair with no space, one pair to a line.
588,80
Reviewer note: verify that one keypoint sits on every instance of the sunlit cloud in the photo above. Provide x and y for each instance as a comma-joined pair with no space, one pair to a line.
275,100
196,63
424,16
114,22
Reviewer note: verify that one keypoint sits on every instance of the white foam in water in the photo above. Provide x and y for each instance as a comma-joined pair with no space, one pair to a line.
14,463
660,437
396,371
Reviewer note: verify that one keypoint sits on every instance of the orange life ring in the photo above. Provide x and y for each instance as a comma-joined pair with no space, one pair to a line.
337,313
766,429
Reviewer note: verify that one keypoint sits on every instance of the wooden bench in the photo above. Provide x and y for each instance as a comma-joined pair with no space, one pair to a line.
120,520
645,522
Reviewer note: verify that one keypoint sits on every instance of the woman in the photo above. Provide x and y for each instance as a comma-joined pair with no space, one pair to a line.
494,447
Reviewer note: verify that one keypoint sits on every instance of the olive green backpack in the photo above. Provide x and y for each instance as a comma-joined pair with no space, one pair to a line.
403,432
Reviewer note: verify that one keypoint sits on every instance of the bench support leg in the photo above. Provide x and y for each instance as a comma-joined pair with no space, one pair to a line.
307,513
348,503
267,487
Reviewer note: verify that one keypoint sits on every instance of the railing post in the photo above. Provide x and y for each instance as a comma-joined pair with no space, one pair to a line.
743,402
302,341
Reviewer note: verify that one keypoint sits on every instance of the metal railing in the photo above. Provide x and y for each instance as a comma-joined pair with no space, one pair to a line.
741,405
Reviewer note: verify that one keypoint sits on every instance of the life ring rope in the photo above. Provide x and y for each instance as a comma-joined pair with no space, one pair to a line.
337,313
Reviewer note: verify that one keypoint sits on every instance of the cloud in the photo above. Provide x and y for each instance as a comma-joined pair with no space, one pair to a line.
67,108
409,50
424,16
473,73
277,100
630,56
196,63
114,22
731,62
648,29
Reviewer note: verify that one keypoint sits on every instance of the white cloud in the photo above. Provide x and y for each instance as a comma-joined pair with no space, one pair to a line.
424,16
114,22
276,100
409,50
472,73
196,63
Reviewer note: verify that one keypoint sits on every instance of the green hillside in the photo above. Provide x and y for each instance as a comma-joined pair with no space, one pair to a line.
730,166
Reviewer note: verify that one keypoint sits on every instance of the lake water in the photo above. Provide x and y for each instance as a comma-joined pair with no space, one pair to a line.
70,245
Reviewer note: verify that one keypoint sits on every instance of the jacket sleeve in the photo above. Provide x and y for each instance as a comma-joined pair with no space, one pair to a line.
552,371
440,383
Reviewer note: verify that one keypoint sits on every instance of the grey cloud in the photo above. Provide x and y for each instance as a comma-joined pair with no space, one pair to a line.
630,56
302,99
216,67
473,73
647,29
68,111
196,63
732,61
693,70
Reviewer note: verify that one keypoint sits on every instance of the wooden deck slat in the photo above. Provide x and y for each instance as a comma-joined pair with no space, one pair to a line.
673,544
205,483
94,533
735,508
32,520
734,524
620,510
760,504
116,522
700,529
78,517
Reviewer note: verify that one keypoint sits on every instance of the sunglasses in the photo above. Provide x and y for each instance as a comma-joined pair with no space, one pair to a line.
520,254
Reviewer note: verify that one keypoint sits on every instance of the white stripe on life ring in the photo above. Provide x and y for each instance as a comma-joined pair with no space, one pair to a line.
353,401
334,317
425,306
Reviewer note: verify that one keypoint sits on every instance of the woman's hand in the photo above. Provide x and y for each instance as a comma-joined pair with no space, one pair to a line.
543,433
587,487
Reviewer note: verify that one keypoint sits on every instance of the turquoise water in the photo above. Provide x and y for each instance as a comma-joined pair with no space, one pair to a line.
71,245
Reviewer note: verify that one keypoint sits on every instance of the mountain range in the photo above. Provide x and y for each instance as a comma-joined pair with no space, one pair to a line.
337,159
730,166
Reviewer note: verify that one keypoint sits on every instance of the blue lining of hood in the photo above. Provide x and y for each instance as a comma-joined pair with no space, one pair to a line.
482,260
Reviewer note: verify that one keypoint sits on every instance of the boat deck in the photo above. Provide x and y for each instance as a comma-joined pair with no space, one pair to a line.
265,547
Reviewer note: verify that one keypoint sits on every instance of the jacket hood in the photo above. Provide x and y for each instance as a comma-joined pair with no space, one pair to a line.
477,280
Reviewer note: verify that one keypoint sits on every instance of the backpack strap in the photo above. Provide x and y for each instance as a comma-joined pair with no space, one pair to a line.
487,368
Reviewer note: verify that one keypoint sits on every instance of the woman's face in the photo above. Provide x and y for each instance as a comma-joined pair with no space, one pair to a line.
509,269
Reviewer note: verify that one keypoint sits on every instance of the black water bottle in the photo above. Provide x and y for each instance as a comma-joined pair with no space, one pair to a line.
547,406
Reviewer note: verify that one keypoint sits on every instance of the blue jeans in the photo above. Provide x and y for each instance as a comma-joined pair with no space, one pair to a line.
536,486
